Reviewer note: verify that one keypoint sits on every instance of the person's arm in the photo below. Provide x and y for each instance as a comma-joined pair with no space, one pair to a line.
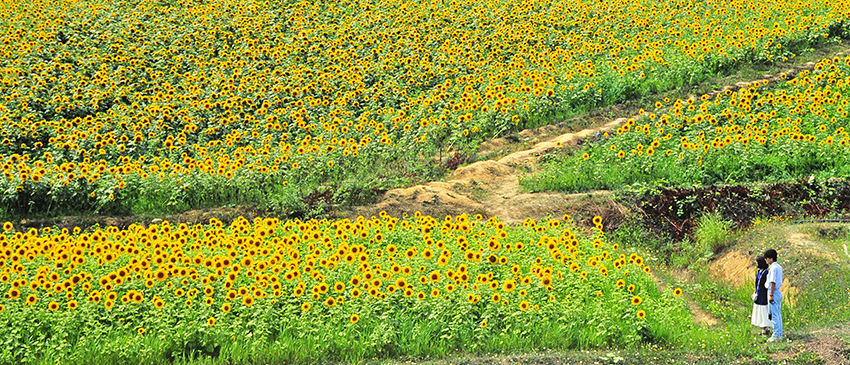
772,288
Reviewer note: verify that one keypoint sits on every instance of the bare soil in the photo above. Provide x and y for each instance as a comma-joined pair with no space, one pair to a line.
226,215
828,347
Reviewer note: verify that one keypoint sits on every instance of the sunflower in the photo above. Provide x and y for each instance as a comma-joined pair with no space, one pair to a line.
31,299
354,318
141,330
211,321
636,300
677,292
523,305
641,314
226,307
306,306
53,306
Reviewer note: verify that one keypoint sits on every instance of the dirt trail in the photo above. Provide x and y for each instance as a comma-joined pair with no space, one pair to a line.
825,344
492,188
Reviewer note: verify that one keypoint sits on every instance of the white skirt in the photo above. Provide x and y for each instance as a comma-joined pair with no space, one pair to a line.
759,317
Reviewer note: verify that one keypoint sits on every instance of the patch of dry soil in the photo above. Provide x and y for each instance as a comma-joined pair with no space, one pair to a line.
830,349
738,268
491,188
700,316
203,216
802,243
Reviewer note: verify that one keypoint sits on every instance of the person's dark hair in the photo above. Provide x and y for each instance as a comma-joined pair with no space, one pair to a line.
770,254
761,263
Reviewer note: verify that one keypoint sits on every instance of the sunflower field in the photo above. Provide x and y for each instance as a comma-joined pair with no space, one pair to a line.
335,290
159,106
764,132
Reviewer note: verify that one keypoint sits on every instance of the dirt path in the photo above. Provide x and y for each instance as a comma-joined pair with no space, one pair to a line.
492,188
825,343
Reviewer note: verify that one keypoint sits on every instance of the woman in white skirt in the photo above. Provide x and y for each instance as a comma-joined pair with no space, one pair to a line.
760,307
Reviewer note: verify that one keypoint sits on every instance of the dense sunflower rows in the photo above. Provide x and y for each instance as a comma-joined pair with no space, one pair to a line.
472,274
796,128
104,103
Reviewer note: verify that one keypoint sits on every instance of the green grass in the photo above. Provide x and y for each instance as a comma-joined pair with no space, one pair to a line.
711,233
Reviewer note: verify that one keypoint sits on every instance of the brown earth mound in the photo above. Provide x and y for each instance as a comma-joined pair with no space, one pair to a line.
739,269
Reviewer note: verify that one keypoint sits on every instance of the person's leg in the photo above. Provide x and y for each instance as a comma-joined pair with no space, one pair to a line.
776,314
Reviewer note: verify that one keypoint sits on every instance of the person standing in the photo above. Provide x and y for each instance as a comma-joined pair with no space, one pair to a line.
760,316
774,296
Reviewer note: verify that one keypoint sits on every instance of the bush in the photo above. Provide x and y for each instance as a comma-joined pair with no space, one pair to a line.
710,234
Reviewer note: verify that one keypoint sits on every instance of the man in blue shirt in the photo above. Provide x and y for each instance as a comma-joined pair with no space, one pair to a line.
774,296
